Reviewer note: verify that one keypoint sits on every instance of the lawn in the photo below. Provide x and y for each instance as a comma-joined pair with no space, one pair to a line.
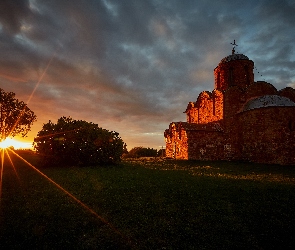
148,205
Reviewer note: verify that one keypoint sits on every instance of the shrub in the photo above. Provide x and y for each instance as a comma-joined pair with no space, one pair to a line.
77,142
141,152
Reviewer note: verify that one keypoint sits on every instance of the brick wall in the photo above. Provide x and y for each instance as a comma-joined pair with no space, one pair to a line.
205,145
288,92
208,108
268,135
234,73
222,130
176,141
259,89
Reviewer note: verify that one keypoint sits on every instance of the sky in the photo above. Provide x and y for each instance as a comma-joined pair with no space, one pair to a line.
132,66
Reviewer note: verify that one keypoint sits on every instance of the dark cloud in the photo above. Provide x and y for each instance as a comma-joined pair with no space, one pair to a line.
12,13
132,66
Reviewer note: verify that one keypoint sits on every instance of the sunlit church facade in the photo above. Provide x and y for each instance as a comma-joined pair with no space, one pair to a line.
239,120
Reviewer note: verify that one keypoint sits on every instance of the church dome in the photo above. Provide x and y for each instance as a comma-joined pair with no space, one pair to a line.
234,57
234,70
268,101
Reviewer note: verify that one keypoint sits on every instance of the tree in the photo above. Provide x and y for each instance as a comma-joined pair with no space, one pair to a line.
141,152
161,152
77,142
15,116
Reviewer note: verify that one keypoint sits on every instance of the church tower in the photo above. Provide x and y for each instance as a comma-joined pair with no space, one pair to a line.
234,70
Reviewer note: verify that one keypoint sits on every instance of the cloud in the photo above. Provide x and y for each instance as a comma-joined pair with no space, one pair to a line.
132,66
12,13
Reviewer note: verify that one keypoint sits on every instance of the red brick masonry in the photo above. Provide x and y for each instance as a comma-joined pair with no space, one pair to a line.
239,120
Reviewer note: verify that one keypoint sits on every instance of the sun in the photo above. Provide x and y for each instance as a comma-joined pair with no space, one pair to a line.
9,142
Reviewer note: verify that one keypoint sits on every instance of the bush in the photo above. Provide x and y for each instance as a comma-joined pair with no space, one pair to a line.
141,152
77,142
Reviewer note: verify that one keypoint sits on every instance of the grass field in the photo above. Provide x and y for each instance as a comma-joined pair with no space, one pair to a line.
148,205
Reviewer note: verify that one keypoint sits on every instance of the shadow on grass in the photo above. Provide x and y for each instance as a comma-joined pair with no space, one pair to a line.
190,205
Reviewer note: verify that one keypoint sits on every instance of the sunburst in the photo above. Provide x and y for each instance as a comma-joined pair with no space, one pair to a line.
16,144
5,149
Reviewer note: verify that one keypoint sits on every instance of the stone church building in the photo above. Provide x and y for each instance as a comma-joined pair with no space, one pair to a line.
239,120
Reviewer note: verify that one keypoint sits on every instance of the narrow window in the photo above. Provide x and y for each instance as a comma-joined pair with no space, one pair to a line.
231,76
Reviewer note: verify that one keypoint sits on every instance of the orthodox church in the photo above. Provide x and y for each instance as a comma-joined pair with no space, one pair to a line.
239,120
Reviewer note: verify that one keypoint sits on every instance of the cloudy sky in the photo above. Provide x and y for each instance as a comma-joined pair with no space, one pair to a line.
132,66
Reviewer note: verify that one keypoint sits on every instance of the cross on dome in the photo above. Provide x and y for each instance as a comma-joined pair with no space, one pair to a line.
234,46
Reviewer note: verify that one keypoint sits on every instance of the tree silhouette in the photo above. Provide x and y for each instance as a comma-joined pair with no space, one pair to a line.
77,142
15,116
142,152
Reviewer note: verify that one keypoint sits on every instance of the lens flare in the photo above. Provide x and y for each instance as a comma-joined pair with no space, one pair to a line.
35,88
1,172
65,191
9,142
10,160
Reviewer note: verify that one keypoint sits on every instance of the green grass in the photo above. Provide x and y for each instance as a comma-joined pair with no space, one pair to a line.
149,205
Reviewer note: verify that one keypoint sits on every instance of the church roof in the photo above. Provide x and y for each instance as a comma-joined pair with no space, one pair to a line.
268,101
234,57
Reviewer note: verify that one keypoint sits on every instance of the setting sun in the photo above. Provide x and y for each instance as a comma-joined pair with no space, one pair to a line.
9,142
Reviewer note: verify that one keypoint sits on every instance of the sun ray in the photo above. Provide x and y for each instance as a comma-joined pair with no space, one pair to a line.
58,133
128,241
34,90
71,196
1,173
42,76
12,164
